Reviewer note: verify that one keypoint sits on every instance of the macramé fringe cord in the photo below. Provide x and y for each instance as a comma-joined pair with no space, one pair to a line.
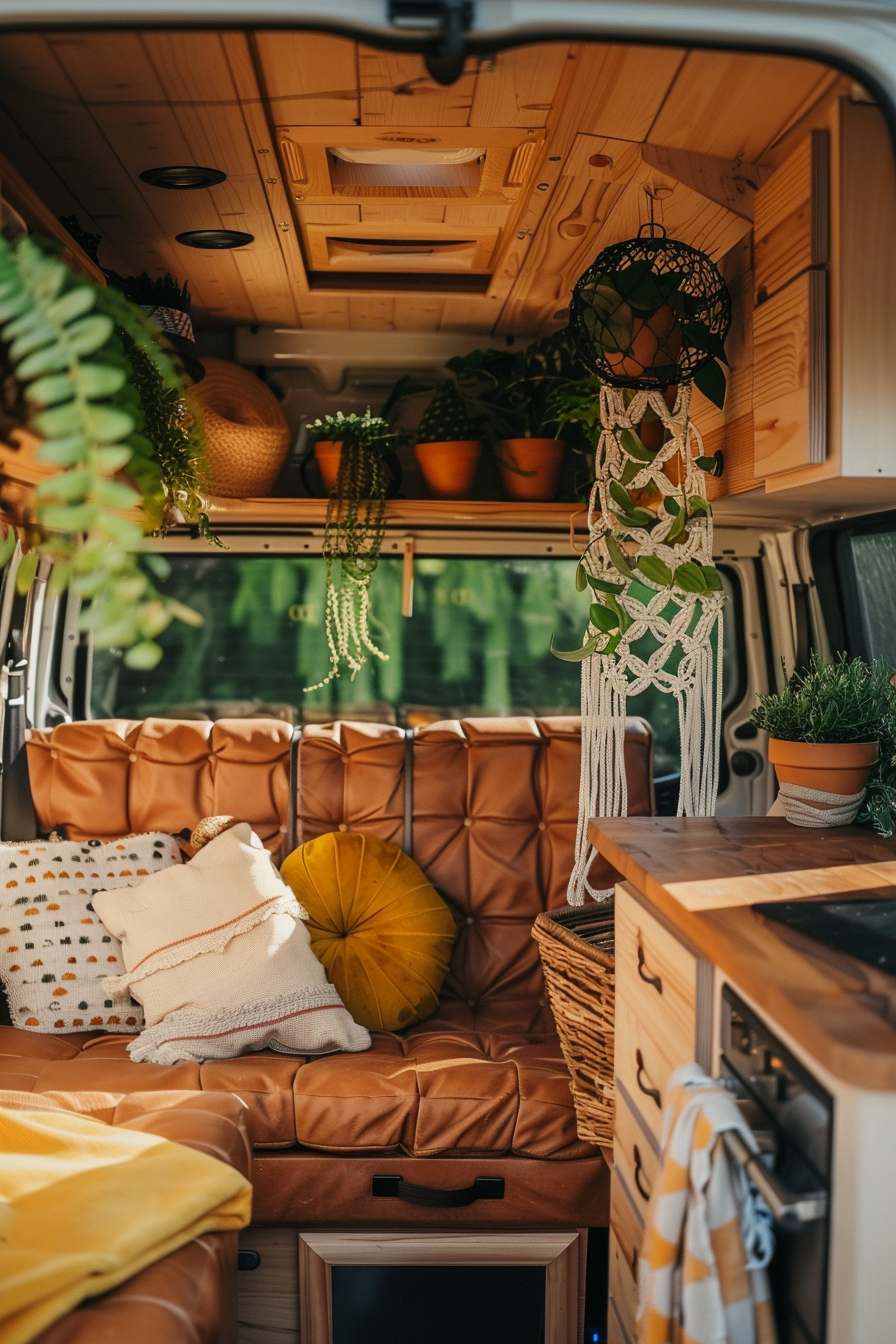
675,619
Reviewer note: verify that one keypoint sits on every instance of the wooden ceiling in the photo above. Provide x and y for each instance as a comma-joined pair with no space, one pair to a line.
578,141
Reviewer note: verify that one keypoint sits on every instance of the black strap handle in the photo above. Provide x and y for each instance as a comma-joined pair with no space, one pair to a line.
396,1187
639,1169
652,1092
655,980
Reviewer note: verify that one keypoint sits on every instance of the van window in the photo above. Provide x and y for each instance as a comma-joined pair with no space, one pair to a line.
874,561
478,643
854,566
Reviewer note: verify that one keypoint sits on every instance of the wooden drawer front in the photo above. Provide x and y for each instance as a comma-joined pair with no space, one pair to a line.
656,975
627,1221
636,1161
623,1293
645,1060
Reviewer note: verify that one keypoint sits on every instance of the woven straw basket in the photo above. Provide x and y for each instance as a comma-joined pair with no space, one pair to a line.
247,435
577,953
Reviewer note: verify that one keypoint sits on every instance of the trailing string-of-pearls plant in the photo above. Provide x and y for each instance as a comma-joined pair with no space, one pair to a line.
651,316
356,512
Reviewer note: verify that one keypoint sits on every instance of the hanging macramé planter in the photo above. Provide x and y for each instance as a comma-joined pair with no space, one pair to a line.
651,314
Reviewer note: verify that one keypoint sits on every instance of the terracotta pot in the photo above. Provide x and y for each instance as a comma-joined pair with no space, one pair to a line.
449,468
655,344
328,453
832,767
541,457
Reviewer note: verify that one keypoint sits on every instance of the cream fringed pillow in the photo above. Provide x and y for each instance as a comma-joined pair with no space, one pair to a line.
218,954
54,952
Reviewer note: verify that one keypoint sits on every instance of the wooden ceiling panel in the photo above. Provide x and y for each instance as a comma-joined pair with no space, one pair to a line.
310,79
734,105
618,90
396,90
108,67
100,108
571,231
518,87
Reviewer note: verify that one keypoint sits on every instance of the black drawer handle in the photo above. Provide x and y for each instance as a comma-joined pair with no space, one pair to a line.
639,1172
246,1259
652,1092
396,1187
655,980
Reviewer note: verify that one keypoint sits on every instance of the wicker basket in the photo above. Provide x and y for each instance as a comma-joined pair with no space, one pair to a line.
577,952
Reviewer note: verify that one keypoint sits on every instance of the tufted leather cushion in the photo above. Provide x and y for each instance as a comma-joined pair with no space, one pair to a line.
102,779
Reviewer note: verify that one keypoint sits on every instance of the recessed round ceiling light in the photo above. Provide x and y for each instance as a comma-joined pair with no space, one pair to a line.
183,177
213,240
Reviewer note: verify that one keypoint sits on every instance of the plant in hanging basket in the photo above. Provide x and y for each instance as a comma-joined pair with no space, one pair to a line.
652,312
832,728
90,375
356,514
448,446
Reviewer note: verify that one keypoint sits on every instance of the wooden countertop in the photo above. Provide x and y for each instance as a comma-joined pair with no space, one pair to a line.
703,874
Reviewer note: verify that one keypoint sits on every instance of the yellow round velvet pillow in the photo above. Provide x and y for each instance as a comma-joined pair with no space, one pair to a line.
379,927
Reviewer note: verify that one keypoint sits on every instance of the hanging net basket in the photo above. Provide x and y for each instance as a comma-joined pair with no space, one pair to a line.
651,312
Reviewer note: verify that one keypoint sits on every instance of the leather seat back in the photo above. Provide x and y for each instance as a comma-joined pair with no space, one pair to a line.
494,812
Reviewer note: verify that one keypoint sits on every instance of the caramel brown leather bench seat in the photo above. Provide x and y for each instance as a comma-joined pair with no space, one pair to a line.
480,1088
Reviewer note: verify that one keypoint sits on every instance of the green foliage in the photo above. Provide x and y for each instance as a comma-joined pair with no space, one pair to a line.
845,700
509,393
155,292
356,520
60,347
622,301
446,418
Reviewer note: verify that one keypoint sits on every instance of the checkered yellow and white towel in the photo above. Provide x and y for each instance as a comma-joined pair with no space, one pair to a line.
702,1276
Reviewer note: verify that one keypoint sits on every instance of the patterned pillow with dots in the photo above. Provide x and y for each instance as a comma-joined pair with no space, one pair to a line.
54,949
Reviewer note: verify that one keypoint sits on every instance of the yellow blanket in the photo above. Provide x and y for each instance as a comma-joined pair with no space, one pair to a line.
85,1205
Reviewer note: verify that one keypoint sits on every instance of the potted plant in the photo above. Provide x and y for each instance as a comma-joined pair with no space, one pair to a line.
509,395
832,731
356,520
89,376
448,448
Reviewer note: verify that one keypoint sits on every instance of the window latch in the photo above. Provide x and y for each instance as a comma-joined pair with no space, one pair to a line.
448,20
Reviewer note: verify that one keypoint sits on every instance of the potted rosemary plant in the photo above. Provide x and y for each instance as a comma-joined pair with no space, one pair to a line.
832,732
356,519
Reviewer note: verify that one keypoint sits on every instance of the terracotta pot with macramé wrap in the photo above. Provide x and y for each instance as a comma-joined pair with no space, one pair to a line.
833,772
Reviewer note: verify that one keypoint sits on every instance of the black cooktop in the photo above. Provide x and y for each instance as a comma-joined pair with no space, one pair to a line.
864,928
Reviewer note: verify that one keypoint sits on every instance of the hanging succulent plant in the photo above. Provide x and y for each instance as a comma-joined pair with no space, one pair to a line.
65,351
356,514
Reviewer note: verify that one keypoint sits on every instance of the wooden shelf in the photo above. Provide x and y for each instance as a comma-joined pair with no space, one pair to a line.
429,513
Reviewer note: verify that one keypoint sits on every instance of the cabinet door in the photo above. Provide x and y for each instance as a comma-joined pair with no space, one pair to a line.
790,377
790,327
